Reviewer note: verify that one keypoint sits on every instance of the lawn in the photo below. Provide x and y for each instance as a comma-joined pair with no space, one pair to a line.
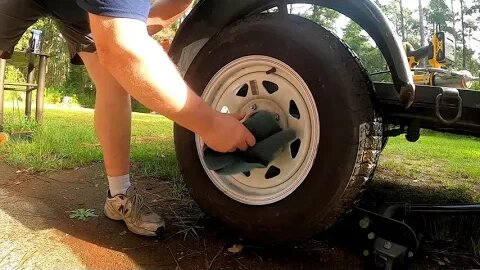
435,154
438,168
67,140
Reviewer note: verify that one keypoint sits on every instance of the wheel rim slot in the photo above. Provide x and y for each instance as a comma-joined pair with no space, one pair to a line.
294,111
271,87
243,91
295,147
272,172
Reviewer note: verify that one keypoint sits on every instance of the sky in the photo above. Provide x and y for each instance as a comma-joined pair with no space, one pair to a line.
413,6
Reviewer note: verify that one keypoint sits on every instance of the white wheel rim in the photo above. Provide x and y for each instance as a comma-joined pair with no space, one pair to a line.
226,92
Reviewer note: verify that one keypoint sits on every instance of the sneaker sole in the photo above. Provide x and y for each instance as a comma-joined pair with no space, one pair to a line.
159,232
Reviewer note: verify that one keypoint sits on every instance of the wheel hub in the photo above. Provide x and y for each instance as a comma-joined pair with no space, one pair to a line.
262,104
254,83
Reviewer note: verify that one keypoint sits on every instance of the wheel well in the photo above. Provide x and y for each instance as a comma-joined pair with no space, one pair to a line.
209,17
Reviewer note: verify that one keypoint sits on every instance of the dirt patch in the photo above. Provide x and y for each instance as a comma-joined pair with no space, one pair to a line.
36,232
35,223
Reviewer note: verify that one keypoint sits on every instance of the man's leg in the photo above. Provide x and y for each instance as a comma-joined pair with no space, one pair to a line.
112,117
113,128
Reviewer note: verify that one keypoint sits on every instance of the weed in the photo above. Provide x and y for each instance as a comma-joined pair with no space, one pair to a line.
82,214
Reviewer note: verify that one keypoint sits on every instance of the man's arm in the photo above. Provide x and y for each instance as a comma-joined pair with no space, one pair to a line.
140,65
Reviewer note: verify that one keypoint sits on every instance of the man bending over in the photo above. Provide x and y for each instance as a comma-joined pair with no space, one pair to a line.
112,38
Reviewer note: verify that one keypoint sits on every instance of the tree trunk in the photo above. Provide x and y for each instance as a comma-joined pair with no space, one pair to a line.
464,52
422,29
454,33
402,20
422,26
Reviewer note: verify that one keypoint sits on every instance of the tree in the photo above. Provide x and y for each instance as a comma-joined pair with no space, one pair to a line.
462,20
402,19
468,26
323,16
405,25
371,57
54,45
421,23
439,16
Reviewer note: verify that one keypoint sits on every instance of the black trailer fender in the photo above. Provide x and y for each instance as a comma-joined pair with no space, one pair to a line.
210,16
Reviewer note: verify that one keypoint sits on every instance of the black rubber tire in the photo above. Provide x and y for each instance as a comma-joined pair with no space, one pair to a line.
350,134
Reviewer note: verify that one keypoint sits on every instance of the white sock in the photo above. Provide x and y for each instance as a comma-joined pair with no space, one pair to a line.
118,184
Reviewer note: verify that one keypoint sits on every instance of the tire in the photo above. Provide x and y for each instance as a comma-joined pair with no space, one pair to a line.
350,135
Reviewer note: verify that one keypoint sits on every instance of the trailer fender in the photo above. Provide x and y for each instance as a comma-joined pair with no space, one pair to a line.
209,17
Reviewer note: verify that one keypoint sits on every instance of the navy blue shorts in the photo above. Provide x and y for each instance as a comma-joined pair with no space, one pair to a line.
70,16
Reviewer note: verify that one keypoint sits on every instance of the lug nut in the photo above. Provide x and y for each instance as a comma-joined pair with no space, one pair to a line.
364,223
253,107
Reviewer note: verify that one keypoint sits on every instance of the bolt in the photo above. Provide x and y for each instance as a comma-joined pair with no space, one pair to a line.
366,253
371,236
364,223
277,117
410,254
253,107
387,245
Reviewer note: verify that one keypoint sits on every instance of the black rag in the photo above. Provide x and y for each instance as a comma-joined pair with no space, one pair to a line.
271,140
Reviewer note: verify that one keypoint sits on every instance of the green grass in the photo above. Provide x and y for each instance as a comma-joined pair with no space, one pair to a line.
435,154
440,166
67,140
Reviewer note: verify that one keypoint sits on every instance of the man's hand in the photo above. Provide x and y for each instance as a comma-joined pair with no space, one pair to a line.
228,134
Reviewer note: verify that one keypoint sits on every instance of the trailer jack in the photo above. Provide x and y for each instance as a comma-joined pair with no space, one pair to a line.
386,240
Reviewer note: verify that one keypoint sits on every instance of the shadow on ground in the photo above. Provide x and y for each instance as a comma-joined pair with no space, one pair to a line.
36,231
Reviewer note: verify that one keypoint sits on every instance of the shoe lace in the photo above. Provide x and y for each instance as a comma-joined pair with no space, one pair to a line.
139,205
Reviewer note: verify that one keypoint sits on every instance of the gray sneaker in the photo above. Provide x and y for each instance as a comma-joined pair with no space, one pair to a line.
140,219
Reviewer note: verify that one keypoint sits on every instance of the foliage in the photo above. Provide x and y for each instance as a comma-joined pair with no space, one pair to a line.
14,74
82,214
64,79
439,16
15,121
53,45
476,86
410,27
323,16
360,44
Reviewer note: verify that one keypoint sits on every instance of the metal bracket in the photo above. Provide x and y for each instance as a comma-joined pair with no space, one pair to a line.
383,240
449,96
389,254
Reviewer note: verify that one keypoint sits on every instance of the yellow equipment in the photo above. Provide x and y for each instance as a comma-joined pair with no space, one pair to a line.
440,53
3,138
